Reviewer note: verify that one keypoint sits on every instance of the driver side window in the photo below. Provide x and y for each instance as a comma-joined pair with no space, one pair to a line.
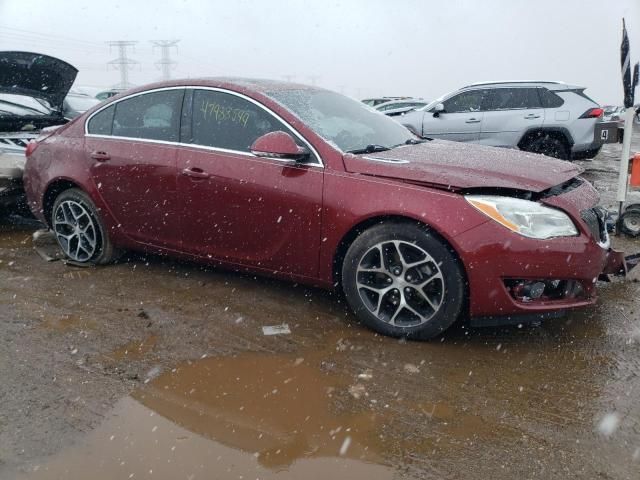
223,120
465,102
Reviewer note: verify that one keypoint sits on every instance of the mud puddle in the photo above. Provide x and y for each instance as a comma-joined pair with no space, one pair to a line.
247,416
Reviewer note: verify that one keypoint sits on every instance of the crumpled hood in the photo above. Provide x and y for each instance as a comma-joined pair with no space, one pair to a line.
36,75
461,165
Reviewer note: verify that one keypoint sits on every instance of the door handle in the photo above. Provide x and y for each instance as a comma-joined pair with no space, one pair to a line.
195,172
473,120
531,116
100,156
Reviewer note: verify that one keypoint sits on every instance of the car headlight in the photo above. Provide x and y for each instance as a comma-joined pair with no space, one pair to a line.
524,217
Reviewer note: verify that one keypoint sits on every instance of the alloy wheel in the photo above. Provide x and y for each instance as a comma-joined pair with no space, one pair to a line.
400,283
75,230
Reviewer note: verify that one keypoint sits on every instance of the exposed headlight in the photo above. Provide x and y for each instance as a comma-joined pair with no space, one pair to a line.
527,218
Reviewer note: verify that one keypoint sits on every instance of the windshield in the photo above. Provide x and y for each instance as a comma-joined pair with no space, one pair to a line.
346,123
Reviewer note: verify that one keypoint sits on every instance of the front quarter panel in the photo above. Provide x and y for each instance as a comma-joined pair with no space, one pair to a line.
351,199
413,121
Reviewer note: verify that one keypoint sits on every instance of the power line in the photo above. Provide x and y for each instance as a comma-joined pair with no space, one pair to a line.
42,43
165,63
123,62
19,31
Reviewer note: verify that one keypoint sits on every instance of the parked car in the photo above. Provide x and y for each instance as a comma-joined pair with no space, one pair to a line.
611,112
302,183
551,118
33,88
400,107
374,102
112,92
77,103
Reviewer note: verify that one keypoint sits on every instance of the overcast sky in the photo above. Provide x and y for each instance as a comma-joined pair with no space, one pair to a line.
360,47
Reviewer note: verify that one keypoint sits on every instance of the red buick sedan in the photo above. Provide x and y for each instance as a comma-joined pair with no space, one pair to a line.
305,184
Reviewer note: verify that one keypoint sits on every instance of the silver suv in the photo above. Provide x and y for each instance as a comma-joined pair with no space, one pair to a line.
552,118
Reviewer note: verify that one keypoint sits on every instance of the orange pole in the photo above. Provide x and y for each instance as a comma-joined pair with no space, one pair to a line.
635,171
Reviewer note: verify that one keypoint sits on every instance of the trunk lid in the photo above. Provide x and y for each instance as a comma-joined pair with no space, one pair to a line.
36,75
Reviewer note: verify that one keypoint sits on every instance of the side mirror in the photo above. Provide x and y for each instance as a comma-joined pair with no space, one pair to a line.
438,109
279,146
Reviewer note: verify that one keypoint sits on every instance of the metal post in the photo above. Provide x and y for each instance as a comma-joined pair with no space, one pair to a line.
623,176
123,62
165,63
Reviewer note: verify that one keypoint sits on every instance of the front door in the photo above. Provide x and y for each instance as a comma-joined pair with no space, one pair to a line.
461,120
240,208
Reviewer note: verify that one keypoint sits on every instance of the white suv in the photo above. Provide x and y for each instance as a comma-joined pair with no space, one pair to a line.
552,118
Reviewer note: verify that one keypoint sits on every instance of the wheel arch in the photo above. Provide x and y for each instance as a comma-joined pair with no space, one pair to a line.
55,188
350,236
560,133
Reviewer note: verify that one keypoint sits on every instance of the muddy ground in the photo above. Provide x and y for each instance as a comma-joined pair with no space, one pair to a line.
157,369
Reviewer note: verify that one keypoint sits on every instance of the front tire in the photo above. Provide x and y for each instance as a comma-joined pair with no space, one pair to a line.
401,280
79,230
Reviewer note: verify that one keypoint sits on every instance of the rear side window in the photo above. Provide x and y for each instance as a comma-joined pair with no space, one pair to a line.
153,116
465,102
102,122
550,99
223,120
583,95
513,99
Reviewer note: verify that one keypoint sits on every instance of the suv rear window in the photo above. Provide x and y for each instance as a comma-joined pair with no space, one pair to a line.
550,99
583,95
513,99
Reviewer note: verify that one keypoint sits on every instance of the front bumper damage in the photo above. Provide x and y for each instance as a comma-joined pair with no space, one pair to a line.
618,265
520,280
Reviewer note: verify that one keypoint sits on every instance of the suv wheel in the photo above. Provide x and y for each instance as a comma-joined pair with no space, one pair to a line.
549,146
403,281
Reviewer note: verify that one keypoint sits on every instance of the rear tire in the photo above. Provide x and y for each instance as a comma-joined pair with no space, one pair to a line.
629,221
549,146
401,280
79,230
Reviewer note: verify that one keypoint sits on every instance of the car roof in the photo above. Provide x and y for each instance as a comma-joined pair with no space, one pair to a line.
550,84
385,98
262,85
408,100
238,84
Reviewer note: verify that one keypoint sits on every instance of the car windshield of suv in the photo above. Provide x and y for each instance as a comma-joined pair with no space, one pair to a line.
22,106
346,123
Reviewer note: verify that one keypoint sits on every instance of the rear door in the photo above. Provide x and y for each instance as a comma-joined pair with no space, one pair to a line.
131,150
461,120
509,113
240,208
